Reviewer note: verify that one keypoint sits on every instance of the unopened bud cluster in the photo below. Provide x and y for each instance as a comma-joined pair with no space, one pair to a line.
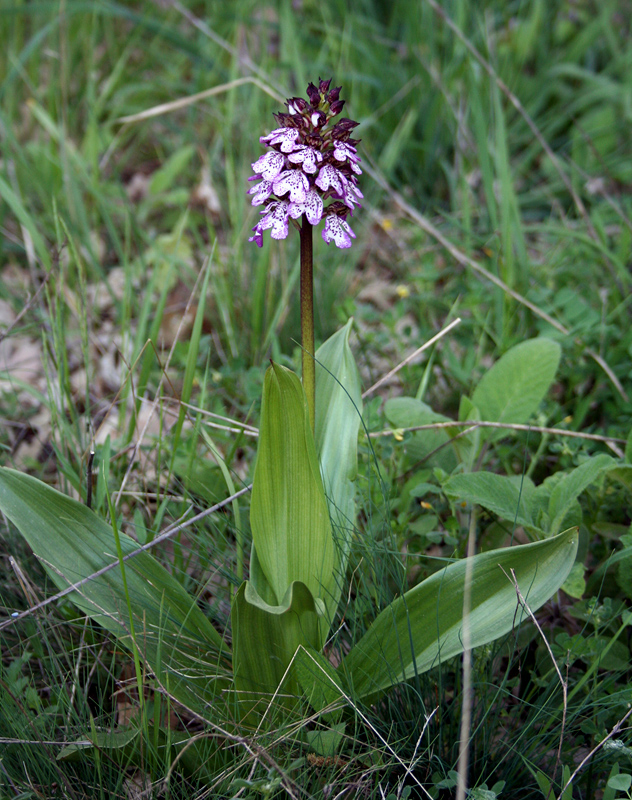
310,162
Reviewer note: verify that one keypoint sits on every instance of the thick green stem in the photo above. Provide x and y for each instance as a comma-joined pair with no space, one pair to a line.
307,318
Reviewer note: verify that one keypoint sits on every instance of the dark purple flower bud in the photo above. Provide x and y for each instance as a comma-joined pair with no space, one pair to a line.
296,105
338,208
324,86
288,120
334,94
317,118
336,107
342,129
314,139
314,95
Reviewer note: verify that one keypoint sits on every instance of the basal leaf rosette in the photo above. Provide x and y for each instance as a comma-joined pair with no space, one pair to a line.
310,169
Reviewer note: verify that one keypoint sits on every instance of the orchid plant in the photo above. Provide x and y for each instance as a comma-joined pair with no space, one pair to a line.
303,517
312,162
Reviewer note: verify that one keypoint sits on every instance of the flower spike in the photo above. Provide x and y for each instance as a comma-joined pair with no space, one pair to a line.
311,161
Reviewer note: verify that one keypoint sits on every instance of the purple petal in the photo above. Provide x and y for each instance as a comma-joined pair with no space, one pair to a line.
344,151
276,218
294,182
338,231
287,137
349,190
330,176
269,165
308,156
261,192
258,237
312,207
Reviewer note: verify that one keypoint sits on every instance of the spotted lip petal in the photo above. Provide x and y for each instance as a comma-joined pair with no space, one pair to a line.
261,192
285,136
344,151
275,217
328,177
293,181
307,156
312,207
349,190
269,165
338,231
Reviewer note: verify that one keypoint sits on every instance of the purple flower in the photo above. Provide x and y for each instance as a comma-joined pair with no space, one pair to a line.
269,165
293,181
344,150
311,160
338,231
285,136
328,177
276,215
312,207
261,192
307,156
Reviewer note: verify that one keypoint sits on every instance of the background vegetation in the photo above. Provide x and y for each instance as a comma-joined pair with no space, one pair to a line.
498,169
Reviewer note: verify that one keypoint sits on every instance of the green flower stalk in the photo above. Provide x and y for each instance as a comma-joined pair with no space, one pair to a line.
310,162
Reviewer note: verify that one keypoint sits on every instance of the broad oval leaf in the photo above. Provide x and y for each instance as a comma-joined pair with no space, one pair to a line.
265,640
176,640
509,497
573,484
514,387
288,513
338,417
426,626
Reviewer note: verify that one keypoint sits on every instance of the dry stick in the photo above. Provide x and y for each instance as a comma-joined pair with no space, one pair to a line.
183,102
466,261
409,358
511,426
161,538
520,109
466,709
523,603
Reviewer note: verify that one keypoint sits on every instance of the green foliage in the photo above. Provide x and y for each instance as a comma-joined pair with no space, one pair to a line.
172,635
515,386
429,624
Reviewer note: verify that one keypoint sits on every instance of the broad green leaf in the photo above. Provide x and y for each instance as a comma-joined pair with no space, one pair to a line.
338,417
288,514
575,584
622,473
326,742
265,639
174,637
320,683
572,485
508,497
621,782
408,412
425,626
628,448
514,387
